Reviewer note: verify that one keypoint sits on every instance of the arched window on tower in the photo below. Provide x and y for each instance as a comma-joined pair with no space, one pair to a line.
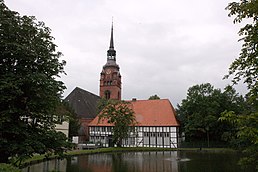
107,94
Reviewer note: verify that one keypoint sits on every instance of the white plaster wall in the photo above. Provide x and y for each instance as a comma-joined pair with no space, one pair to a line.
64,128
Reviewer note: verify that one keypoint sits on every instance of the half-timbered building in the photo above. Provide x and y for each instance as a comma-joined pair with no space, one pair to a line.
156,126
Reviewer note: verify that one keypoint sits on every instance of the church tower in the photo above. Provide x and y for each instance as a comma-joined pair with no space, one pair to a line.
110,78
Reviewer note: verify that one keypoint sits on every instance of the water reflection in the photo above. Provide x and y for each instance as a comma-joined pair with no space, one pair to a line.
131,161
143,162
46,166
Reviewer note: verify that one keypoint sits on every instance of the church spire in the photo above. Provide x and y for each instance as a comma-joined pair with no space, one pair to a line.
111,53
111,47
110,77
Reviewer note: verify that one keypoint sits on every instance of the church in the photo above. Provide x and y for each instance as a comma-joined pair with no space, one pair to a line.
157,125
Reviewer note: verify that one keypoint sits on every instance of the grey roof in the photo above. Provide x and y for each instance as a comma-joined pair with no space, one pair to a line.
83,102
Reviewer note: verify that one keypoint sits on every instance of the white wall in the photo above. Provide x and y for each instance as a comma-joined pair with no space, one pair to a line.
145,137
64,128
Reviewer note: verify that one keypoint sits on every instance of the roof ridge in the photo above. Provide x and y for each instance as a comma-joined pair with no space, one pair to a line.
78,88
146,100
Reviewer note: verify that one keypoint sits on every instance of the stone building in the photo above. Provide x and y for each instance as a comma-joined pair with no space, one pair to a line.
157,125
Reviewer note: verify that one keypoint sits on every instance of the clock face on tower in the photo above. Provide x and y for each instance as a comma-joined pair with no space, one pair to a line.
108,71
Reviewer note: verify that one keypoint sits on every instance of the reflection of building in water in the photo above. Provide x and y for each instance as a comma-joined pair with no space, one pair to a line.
151,161
52,165
160,161
95,163
108,162
130,161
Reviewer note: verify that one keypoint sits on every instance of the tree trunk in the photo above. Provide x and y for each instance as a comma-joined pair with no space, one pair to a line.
119,143
208,138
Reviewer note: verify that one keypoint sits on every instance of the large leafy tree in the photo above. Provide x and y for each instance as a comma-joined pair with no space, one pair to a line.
67,113
29,91
246,65
245,68
120,114
200,111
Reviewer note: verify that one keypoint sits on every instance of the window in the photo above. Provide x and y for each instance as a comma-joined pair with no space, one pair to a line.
107,94
132,141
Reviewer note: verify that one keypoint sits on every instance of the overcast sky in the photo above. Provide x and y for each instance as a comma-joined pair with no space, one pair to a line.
163,47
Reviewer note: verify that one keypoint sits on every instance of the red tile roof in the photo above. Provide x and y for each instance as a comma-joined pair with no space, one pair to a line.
149,113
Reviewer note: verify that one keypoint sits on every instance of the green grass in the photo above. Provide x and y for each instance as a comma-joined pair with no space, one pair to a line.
8,168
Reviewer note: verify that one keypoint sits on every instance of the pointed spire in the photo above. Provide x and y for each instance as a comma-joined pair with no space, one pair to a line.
111,53
111,47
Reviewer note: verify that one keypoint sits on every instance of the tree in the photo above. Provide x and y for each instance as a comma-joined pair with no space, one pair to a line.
30,93
200,111
154,97
245,67
246,135
122,116
102,103
67,113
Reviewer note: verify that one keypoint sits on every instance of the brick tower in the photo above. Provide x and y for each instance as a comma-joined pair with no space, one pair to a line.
110,78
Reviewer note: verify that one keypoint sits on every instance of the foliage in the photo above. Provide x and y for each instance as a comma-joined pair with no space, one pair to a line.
8,168
67,112
122,116
200,111
30,93
245,67
154,97
102,103
247,134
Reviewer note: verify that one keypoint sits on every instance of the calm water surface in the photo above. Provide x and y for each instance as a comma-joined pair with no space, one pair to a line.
175,161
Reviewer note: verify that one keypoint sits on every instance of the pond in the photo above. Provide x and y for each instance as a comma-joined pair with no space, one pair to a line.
176,161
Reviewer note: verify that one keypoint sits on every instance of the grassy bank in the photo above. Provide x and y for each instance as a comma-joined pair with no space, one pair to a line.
40,158
8,168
